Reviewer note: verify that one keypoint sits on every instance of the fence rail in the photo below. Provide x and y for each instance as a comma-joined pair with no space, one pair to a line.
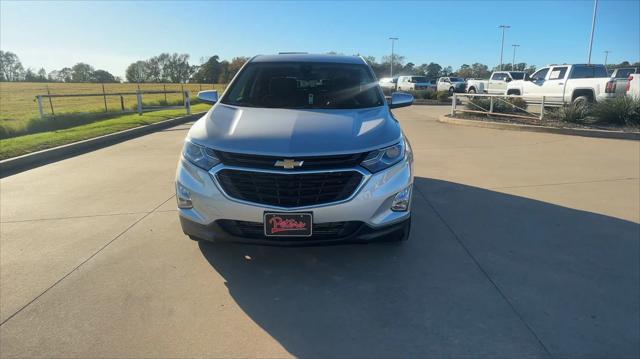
139,105
493,100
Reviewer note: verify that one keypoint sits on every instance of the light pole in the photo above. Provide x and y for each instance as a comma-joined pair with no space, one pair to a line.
593,27
606,57
393,40
502,46
513,62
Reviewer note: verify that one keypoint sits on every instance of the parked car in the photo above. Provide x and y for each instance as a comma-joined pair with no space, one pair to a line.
561,84
299,149
497,83
388,84
409,83
633,86
621,77
451,84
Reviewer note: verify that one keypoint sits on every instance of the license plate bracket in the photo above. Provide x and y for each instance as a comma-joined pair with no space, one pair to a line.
286,224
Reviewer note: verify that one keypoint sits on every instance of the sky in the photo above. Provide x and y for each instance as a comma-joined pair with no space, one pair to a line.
112,34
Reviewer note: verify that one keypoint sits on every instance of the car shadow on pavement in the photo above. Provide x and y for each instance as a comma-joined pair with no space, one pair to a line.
484,274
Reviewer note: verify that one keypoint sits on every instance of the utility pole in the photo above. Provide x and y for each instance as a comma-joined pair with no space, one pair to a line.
513,62
503,27
393,40
593,27
606,57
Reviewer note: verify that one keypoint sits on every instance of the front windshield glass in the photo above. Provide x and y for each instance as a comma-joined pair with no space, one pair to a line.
304,85
419,79
517,75
456,79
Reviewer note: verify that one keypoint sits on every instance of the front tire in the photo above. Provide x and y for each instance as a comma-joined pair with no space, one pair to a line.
451,91
472,90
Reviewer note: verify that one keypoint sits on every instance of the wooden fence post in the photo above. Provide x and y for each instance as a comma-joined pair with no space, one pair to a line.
164,86
104,96
122,103
53,114
491,105
542,108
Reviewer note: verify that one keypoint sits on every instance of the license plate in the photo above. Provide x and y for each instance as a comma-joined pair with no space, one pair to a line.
288,224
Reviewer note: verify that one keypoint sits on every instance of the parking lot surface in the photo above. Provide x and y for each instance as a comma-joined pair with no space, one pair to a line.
522,245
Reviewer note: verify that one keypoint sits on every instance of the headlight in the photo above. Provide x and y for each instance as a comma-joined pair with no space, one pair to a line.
200,156
378,160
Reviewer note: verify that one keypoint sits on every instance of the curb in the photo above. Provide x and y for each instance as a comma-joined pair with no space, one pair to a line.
431,103
29,161
532,128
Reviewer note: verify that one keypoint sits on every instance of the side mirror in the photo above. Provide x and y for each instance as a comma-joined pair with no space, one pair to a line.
400,99
209,96
508,79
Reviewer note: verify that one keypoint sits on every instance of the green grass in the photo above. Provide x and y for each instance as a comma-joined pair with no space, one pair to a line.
19,111
16,146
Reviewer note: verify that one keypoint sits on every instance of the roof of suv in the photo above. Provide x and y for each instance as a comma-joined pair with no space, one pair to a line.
309,58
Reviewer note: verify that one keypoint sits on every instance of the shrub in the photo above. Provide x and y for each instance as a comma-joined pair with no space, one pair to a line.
421,94
575,112
479,104
442,95
518,104
500,104
622,110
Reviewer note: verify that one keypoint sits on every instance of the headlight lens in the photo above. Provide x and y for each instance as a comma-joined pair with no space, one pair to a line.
200,156
378,160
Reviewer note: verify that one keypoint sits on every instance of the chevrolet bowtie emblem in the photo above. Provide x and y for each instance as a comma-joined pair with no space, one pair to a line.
288,164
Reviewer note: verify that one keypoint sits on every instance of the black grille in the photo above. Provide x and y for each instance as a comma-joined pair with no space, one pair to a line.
255,230
289,190
310,162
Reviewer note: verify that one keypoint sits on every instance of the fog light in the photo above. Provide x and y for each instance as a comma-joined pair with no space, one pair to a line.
183,196
401,200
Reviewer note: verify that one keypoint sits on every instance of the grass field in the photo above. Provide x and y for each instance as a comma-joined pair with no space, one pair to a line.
16,146
19,111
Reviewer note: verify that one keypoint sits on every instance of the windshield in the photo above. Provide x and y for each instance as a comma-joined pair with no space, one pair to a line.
456,79
417,79
304,85
517,75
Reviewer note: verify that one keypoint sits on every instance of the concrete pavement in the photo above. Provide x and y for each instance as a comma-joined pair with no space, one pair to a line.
523,245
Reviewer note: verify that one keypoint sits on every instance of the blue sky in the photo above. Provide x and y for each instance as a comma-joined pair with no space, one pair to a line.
110,35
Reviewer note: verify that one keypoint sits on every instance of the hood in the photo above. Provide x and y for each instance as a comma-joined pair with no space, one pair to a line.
295,132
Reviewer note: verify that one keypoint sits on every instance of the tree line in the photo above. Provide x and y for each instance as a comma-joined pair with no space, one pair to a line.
11,69
175,68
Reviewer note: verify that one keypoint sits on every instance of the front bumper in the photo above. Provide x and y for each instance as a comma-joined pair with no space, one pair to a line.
370,205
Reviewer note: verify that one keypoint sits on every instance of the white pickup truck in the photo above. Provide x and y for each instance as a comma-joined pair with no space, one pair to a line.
496,84
561,84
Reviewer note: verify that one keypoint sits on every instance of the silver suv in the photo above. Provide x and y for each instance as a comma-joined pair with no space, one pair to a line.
299,149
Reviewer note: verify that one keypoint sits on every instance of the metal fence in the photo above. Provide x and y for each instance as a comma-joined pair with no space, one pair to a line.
140,108
533,112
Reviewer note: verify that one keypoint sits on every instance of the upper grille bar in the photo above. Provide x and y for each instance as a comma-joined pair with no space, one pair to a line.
309,162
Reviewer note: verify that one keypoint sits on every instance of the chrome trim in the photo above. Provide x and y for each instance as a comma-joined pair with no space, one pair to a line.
214,171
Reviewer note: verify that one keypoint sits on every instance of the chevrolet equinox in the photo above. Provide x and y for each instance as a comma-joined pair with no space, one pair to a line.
299,149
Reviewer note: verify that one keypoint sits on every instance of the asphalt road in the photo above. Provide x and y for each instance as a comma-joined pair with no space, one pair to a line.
523,245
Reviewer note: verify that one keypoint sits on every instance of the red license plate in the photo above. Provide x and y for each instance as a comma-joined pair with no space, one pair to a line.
288,224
